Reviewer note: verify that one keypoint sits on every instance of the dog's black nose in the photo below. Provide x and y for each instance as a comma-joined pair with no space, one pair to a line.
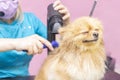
95,35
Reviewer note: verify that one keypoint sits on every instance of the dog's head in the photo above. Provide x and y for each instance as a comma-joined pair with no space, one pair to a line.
84,31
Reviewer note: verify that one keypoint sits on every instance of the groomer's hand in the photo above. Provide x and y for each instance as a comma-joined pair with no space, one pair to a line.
33,44
63,11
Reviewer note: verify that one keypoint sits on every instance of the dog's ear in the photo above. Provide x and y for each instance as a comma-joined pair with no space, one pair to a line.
63,29
65,32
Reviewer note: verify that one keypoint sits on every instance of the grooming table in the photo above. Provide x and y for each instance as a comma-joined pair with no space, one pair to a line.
110,75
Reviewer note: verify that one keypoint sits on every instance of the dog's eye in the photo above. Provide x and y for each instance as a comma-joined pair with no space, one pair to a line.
96,29
85,32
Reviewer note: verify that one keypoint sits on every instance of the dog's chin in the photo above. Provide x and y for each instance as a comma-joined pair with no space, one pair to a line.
89,41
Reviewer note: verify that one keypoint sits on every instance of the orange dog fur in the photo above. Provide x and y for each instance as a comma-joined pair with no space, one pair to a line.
81,54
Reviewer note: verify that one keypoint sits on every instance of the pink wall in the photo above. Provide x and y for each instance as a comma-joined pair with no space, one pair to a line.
106,10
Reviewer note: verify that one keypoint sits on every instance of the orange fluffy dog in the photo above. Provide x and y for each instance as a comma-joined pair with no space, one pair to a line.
81,54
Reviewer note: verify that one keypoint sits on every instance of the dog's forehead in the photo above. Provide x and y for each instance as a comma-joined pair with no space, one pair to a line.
87,23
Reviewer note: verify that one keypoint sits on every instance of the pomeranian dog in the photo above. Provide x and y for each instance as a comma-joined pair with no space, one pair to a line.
80,55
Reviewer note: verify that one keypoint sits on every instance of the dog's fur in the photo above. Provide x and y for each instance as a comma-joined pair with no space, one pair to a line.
81,54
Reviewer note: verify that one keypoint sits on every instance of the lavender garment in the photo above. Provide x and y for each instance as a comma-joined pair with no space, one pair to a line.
8,8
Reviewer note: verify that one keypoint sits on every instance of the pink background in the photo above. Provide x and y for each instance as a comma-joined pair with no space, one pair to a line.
106,10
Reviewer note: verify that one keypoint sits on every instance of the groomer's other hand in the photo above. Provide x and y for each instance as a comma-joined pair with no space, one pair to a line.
63,11
33,44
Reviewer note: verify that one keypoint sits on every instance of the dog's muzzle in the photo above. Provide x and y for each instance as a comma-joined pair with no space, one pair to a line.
95,35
